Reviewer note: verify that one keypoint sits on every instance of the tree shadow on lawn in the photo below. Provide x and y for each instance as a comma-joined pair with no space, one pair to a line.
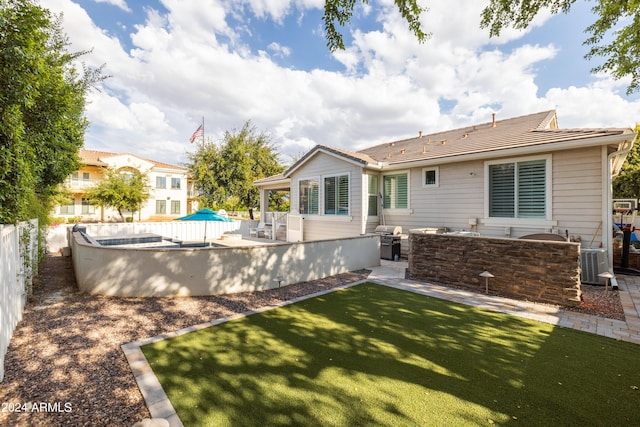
372,355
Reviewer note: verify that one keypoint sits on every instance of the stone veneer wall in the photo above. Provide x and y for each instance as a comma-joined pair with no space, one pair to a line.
540,271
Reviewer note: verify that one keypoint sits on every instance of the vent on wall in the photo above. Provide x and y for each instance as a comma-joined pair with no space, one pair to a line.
592,263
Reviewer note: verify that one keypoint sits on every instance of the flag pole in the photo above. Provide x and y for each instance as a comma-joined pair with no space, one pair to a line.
203,129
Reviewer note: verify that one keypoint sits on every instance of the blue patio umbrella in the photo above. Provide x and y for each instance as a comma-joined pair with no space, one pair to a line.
204,215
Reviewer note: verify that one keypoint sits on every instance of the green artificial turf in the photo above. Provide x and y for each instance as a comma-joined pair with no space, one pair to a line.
373,355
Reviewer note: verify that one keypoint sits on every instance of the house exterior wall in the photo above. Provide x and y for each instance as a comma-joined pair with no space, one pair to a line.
77,184
457,202
322,226
89,176
459,198
167,194
578,194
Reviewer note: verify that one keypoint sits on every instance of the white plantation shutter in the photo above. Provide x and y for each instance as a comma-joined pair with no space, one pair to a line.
518,190
336,195
308,193
501,190
315,194
373,196
396,191
532,189
330,195
343,195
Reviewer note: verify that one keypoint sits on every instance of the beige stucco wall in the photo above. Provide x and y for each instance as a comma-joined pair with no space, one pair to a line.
131,272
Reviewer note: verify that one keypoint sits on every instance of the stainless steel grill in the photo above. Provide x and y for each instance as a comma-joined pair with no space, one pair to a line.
389,241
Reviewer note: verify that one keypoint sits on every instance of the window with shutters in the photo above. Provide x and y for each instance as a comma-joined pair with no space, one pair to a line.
395,191
373,198
309,193
336,195
519,189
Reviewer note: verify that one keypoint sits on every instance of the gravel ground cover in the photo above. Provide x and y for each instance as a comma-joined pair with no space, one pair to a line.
65,366
598,301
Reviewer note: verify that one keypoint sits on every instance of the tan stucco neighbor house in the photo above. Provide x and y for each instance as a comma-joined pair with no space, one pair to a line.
502,178
168,187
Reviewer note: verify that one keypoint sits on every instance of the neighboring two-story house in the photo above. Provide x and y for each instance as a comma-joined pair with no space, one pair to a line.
168,187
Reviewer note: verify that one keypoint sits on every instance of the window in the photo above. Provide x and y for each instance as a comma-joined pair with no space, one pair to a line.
175,183
74,176
87,207
430,177
85,176
69,208
518,189
161,182
161,207
128,173
175,207
373,196
336,195
396,191
308,196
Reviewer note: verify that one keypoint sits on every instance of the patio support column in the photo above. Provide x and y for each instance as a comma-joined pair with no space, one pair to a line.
264,203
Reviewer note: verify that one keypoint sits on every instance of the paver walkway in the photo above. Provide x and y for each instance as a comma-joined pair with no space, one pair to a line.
392,274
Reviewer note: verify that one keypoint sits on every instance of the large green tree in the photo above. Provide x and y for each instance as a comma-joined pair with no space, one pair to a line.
338,14
627,183
614,36
224,172
42,100
126,191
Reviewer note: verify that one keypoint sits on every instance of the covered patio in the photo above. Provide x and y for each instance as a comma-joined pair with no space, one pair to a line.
275,225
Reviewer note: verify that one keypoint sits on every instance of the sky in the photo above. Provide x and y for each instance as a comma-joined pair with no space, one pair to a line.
173,63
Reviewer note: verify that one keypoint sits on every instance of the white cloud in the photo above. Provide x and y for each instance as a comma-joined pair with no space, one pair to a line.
279,50
458,23
122,4
596,105
274,9
191,62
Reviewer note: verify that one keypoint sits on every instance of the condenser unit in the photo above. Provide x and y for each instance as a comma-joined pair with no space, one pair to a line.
592,263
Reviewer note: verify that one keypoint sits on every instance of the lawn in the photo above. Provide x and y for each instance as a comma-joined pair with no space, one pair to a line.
374,355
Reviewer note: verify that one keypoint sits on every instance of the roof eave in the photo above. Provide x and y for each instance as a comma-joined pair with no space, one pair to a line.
320,149
515,151
270,181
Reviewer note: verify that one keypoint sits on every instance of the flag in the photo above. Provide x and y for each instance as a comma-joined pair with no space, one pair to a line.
197,134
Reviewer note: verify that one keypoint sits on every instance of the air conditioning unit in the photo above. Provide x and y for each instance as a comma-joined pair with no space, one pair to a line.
592,263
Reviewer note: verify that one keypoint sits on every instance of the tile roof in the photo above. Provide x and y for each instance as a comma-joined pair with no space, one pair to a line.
94,158
531,130
357,157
